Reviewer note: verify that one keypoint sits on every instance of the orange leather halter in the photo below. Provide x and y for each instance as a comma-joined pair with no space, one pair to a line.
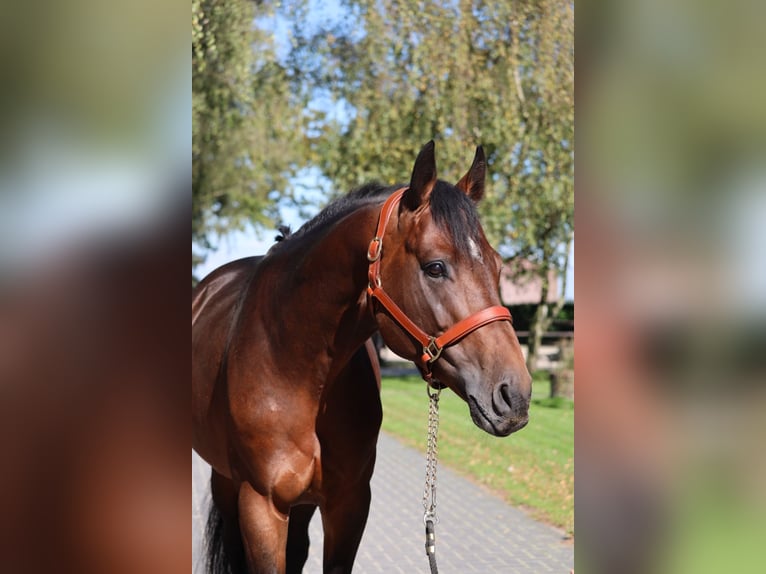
432,346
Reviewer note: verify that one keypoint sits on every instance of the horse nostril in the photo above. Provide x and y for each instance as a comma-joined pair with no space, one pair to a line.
501,399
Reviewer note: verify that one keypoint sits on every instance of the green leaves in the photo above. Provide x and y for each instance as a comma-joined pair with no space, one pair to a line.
246,134
360,92
498,74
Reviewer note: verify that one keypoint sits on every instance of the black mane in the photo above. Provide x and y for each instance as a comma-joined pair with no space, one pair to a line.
452,211
335,211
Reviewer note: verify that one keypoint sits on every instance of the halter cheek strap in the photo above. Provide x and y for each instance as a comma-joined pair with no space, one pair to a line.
432,346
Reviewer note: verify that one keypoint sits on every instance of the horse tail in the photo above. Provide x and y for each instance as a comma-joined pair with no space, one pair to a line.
223,544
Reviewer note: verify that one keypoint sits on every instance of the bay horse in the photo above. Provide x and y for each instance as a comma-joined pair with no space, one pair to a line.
286,405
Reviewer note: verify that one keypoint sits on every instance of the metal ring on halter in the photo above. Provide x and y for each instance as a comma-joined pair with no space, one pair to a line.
377,283
432,350
437,390
373,256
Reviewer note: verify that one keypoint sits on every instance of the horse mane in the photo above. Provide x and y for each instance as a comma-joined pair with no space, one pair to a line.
338,209
451,209
284,233
370,193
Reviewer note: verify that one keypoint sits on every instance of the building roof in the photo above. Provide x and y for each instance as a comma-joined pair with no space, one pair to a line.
525,287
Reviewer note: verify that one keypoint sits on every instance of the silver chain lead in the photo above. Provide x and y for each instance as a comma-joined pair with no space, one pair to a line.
429,494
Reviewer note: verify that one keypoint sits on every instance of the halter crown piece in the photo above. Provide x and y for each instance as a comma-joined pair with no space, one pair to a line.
432,345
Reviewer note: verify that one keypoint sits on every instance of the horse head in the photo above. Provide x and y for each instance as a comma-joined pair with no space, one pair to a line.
439,269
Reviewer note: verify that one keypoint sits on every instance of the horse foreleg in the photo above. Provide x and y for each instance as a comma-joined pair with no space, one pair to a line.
298,537
264,532
224,541
344,517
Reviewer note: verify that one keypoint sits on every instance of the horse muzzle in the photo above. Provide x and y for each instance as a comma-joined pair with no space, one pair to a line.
503,411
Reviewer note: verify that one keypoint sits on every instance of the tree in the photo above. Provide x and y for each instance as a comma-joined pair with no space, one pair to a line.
468,72
246,123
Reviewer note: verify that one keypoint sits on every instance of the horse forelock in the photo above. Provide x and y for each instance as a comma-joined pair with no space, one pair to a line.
456,214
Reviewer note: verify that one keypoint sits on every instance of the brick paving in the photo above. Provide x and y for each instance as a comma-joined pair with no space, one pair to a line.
478,532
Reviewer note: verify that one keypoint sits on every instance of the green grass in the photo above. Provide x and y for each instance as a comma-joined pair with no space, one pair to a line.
533,468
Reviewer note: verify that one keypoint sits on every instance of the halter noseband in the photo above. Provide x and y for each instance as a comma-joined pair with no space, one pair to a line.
432,346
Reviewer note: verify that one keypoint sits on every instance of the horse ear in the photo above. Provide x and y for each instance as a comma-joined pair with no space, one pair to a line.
423,178
472,183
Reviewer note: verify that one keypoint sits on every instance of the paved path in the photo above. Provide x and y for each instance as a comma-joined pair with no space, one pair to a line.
477,532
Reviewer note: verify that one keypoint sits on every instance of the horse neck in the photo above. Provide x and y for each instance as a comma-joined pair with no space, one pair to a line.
324,315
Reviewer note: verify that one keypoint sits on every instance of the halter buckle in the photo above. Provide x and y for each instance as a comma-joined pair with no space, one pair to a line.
373,251
432,350
374,284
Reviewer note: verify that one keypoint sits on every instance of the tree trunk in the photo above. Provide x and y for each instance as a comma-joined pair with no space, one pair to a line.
543,316
538,326
562,383
540,320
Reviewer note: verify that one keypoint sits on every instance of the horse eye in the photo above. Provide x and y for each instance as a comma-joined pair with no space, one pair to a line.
435,269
